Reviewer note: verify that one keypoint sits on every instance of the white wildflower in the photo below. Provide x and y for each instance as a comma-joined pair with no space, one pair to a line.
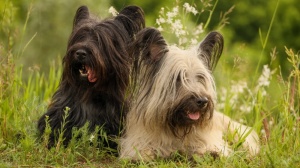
177,24
223,94
186,6
222,100
199,29
190,8
246,109
171,15
194,41
162,10
233,100
179,33
175,10
182,40
177,28
157,21
113,11
263,132
271,122
92,138
160,20
170,18
206,3
160,28
238,87
264,79
263,92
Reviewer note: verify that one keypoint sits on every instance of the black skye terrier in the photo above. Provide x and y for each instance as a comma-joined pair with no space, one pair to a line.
95,75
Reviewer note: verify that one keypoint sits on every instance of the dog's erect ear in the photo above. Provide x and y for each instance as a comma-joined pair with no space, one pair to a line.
82,13
149,45
210,49
132,17
148,48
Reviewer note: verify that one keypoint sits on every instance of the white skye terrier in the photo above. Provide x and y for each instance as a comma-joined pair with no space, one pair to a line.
174,98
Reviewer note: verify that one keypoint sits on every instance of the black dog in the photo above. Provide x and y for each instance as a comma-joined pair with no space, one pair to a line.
95,75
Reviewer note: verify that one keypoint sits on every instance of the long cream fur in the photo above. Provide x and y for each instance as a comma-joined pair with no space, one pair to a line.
147,136
140,145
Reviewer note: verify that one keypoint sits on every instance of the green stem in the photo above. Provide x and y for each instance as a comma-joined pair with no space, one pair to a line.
210,14
266,39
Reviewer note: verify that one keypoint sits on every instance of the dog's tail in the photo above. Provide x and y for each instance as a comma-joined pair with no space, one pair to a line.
132,17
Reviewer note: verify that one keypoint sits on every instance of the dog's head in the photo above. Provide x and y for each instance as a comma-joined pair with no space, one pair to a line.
97,49
175,87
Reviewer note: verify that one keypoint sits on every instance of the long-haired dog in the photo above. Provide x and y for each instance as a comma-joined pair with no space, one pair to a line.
95,75
173,107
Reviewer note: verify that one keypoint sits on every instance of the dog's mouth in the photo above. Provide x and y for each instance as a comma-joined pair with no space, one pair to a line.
87,72
200,109
193,115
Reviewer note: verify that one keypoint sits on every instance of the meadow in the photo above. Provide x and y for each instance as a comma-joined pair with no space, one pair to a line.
256,93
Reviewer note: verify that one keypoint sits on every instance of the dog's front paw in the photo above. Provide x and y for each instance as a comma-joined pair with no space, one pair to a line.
252,143
137,155
146,155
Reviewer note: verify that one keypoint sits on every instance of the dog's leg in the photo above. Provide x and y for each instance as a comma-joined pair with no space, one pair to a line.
244,133
134,147
209,140
137,154
214,142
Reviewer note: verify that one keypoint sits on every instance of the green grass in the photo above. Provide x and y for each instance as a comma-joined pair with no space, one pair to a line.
273,111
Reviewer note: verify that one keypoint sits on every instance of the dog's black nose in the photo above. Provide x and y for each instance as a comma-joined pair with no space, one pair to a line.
201,102
80,54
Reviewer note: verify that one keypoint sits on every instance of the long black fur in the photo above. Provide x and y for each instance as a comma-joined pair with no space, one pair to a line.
103,46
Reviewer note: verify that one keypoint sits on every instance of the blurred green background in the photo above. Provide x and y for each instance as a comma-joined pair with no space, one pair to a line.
44,38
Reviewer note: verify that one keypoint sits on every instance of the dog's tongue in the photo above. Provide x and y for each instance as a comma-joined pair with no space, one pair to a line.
91,75
194,116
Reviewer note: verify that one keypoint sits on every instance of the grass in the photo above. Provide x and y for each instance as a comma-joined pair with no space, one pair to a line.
270,103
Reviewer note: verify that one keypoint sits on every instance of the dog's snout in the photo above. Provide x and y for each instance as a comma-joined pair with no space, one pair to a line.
201,102
80,54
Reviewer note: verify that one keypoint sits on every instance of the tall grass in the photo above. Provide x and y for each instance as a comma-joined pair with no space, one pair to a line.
274,113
